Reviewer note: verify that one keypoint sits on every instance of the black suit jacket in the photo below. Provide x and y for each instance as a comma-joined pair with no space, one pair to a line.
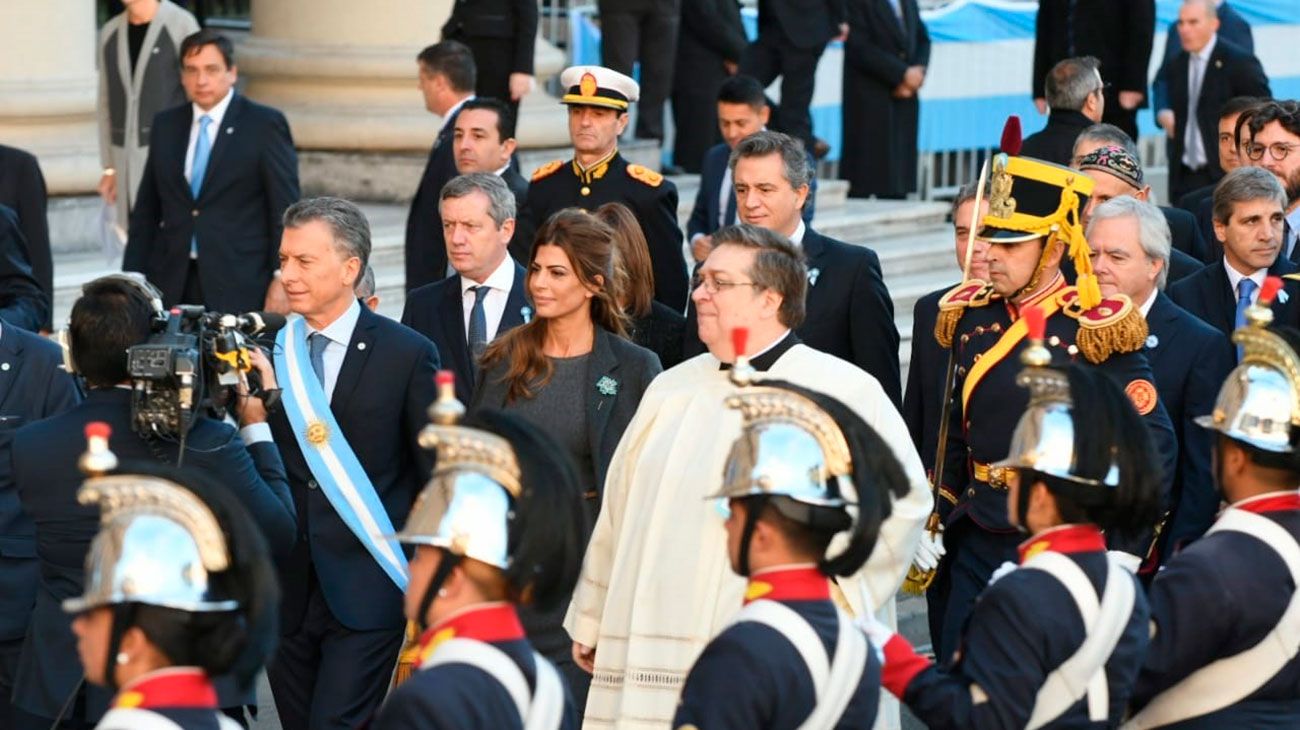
33,386
1117,32
1230,72
379,401
437,311
1231,26
1182,266
520,249
426,250
1208,295
504,19
1055,142
22,303
711,31
45,470
1185,234
1190,360
251,178
808,24
923,399
660,332
22,187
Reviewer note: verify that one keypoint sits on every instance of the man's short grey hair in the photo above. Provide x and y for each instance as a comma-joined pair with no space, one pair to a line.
365,286
350,229
793,156
965,194
1211,7
1070,82
1153,229
501,202
1108,135
1243,185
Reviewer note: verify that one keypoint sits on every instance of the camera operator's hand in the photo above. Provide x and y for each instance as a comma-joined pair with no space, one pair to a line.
251,409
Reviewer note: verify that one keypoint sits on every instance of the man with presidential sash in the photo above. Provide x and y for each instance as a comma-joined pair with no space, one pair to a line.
1032,225
355,389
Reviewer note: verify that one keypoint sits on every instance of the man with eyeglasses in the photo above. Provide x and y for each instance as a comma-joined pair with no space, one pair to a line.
655,586
1275,146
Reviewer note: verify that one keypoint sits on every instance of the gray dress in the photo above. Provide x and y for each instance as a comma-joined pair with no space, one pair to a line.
560,409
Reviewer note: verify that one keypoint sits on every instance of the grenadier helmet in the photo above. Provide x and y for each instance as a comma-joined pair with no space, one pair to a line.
1259,403
598,86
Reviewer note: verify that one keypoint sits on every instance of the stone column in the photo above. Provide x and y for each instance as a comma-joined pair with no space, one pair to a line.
48,87
344,73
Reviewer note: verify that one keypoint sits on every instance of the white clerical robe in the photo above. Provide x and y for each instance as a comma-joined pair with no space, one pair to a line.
657,584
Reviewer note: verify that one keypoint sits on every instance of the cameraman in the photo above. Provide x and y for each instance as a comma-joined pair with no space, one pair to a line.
113,314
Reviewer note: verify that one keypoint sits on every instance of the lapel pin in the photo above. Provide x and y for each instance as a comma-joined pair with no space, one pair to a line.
1282,296
1152,342
155,49
230,130
812,276
1218,64
4,366
527,314
361,345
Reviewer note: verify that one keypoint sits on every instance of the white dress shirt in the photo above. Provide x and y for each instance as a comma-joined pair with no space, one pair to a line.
797,237
499,283
1292,220
1145,309
1235,277
216,114
1197,64
339,333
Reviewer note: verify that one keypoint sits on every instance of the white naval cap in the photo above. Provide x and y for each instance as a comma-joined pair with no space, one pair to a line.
598,86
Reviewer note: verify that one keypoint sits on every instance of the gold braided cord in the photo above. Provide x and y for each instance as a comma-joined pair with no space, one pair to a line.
1127,334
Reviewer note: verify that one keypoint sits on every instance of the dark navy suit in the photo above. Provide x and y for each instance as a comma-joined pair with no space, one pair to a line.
1215,599
1208,295
251,178
1185,235
437,311
22,303
341,617
1190,360
708,211
33,386
426,250
45,469
1232,27
923,397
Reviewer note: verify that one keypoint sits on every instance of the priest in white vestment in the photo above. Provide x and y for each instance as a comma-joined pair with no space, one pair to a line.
656,584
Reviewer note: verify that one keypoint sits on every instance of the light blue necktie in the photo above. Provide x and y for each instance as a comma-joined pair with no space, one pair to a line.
202,151
1245,288
477,335
318,342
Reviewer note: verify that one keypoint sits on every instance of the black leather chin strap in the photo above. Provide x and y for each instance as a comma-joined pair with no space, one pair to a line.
448,563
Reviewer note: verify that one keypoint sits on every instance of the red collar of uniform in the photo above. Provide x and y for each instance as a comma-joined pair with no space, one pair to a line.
171,687
1271,502
1058,283
1064,539
490,622
789,583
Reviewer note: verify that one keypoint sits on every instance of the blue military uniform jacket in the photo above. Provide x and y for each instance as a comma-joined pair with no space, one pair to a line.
1215,599
460,696
750,676
1023,627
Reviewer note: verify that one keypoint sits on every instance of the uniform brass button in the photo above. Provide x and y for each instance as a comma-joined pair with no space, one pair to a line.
311,484
970,492
585,190
195,212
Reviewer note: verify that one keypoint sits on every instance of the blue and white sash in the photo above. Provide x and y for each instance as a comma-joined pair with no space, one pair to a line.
328,454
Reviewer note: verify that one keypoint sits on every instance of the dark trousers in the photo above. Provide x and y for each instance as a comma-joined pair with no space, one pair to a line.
648,37
325,675
1185,179
192,293
695,119
492,61
773,55
10,649
1125,119
973,553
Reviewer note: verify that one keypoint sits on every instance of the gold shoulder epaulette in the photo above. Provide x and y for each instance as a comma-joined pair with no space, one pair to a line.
1292,277
645,175
969,293
1111,327
547,170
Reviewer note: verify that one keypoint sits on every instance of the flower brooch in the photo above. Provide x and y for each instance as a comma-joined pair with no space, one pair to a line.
607,385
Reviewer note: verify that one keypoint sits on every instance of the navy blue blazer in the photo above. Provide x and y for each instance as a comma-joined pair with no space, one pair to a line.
380,399
426,249
45,469
1185,235
923,398
1208,295
22,187
33,386
22,303
252,177
1232,26
705,214
1190,360
437,311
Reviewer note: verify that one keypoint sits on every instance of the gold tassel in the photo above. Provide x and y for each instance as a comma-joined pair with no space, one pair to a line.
409,657
945,326
1128,334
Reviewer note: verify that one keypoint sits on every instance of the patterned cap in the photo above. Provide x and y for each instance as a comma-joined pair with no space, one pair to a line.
1114,160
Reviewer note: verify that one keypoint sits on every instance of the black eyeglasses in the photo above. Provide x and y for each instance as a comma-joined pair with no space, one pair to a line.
1278,150
713,286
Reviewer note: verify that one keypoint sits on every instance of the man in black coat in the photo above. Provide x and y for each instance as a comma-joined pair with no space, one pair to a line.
447,78
464,312
1188,357
1116,32
885,56
1076,96
484,141
792,34
22,188
710,44
1201,78
850,312
220,173
112,315
502,36
598,99
1232,27
22,303
645,32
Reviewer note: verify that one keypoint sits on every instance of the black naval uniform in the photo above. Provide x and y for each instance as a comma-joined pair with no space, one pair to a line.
1023,627
652,199
1215,599
181,695
977,533
751,677
460,696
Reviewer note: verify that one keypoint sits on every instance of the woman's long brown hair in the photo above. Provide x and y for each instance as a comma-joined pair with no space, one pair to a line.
634,275
588,244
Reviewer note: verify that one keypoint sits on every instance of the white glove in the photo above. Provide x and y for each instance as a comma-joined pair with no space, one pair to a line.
929,551
1127,561
1003,569
877,631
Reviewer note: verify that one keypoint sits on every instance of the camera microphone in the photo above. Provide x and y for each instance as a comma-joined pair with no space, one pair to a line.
255,323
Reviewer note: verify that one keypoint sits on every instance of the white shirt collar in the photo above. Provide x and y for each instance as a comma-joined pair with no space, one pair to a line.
501,278
454,108
340,330
503,169
797,237
1235,277
217,112
1151,300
